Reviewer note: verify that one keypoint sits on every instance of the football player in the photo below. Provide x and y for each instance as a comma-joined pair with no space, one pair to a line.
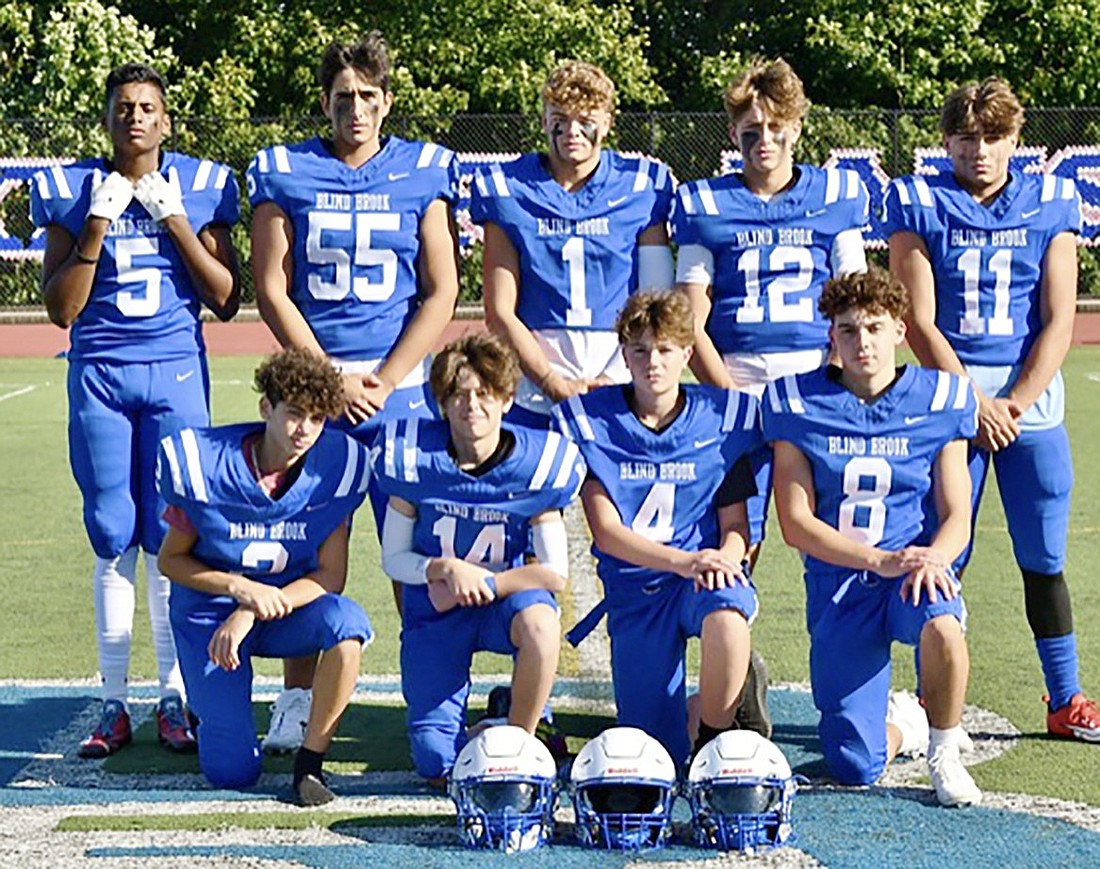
568,235
756,247
136,244
258,550
354,258
857,449
468,499
665,498
990,260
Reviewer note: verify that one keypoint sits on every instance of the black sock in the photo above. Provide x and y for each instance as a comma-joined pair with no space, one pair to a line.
307,762
706,734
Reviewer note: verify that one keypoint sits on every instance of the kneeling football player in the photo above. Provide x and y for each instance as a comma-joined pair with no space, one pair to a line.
871,486
257,548
469,499
665,498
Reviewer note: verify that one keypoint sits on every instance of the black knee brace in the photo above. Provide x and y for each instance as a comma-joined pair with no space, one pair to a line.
1047,604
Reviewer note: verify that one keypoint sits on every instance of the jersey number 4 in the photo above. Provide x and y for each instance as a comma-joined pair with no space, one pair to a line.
363,255
654,518
487,548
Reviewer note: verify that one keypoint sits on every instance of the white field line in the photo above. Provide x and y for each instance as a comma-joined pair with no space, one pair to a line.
18,392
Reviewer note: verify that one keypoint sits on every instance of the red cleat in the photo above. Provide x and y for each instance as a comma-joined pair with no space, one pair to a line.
174,726
112,733
1078,719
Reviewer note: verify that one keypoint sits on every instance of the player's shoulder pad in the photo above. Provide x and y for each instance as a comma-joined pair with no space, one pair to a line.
910,191
63,182
649,173
843,185
948,392
559,466
696,198
400,451
272,161
737,410
492,181
181,463
572,419
784,395
429,155
346,463
195,175
1055,187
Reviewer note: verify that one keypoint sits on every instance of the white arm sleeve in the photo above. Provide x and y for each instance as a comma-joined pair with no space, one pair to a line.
551,546
399,561
654,267
695,265
848,255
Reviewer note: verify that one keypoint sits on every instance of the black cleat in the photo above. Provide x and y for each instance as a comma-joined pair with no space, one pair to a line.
752,711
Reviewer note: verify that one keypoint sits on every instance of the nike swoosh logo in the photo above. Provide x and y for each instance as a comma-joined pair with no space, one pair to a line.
396,176
416,405
182,377
311,507
913,420
1028,214
611,203
816,213
705,443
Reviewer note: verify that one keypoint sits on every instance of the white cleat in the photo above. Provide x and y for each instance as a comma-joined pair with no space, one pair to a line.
289,717
904,711
953,783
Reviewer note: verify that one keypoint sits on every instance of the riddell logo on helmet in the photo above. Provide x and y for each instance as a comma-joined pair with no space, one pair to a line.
622,770
497,769
735,770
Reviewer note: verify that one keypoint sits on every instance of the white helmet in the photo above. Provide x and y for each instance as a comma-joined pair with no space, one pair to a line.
740,788
504,787
623,785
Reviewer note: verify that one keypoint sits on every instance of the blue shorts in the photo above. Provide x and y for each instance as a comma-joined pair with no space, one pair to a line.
117,416
416,402
436,652
853,620
1035,473
229,755
649,630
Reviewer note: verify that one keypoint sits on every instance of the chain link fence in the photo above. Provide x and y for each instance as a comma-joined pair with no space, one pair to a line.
879,144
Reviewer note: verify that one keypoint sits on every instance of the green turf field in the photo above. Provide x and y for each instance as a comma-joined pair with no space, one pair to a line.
47,626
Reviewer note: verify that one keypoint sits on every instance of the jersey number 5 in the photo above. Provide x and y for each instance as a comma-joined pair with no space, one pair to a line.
318,254
144,302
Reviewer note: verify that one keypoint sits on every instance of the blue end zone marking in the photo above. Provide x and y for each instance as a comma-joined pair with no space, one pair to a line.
29,720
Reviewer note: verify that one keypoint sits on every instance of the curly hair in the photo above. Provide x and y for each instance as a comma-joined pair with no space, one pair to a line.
303,379
486,356
774,84
131,73
990,105
369,56
667,314
875,291
576,86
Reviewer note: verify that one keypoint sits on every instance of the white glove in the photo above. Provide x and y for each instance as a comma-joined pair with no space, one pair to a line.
161,197
110,197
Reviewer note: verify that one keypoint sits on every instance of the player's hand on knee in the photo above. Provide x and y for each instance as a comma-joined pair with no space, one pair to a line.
267,601
161,198
225,644
710,569
934,583
465,581
439,593
110,197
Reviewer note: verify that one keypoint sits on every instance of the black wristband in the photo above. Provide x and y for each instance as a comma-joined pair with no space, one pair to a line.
84,259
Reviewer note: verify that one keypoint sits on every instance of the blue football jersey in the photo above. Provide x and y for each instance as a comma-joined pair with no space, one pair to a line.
356,235
485,519
987,261
663,483
143,306
240,528
871,463
578,252
771,258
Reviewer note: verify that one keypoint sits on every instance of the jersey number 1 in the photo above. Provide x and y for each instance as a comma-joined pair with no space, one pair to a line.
970,264
487,548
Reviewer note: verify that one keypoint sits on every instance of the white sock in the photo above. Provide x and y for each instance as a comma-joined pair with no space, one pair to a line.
168,667
113,595
950,736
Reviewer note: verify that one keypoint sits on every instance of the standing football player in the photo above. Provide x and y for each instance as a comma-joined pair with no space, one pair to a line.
258,548
989,257
857,450
355,259
756,248
669,475
568,235
136,244
468,499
